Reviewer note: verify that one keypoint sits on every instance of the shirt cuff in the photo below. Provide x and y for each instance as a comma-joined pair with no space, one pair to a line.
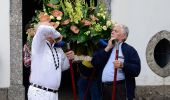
56,34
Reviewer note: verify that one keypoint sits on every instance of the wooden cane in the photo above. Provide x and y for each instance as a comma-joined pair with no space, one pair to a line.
115,74
72,75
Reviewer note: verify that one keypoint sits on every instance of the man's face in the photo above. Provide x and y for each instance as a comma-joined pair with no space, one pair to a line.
50,39
117,33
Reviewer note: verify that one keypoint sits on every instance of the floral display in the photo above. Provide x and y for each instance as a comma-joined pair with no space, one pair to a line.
81,25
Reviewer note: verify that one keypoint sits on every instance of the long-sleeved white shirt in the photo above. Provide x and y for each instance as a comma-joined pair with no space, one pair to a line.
43,70
108,72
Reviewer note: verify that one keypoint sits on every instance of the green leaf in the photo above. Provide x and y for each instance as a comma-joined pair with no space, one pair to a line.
53,1
82,38
63,8
73,38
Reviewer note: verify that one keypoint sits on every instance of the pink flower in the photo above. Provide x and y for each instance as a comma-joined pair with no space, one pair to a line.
51,5
86,22
57,13
44,18
74,29
65,22
94,18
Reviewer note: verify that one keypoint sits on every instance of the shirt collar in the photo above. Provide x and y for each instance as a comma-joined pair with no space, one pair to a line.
52,45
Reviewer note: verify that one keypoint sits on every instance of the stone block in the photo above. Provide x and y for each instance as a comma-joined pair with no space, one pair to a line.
3,94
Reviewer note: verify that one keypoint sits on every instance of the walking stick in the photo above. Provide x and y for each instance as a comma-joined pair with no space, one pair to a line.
72,75
115,73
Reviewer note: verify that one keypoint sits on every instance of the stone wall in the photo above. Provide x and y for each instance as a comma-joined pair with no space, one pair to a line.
3,94
153,92
16,90
161,71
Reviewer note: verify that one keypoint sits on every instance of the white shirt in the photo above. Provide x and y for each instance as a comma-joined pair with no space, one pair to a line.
43,70
108,72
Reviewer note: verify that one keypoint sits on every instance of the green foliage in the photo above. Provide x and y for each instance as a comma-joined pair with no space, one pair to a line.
53,1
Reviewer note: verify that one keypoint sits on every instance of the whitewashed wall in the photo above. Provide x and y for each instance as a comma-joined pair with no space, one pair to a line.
4,44
144,18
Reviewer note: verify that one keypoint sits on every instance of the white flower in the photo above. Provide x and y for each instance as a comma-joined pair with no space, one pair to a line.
44,10
114,22
104,28
57,22
101,14
108,23
59,18
51,17
104,17
45,14
60,29
98,14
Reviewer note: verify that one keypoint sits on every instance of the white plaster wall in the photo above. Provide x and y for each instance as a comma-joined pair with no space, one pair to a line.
4,44
144,18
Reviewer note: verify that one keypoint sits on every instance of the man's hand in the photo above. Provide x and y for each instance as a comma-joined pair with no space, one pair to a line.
118,64
70,55
59,39
109,45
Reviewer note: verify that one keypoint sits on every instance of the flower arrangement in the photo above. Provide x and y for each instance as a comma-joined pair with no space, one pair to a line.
80,24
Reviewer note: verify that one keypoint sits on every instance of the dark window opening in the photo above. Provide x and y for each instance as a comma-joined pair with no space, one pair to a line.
162,53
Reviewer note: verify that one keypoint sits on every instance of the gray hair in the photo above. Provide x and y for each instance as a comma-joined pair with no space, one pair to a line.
125,30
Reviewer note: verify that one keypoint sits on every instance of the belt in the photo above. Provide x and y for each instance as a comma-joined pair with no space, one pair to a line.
44,88
111,83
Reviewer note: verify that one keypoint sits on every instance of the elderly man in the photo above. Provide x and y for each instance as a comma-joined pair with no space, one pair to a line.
128,66
47,63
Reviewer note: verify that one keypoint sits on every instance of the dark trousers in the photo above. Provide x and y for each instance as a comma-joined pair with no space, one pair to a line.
26,92
94,91
107,90
26,74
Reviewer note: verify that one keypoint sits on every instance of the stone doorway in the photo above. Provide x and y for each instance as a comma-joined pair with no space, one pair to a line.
28,11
